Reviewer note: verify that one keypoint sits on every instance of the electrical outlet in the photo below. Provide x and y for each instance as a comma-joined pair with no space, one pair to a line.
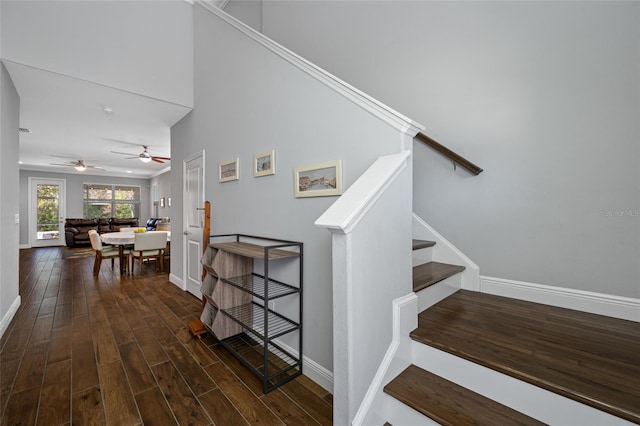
272,306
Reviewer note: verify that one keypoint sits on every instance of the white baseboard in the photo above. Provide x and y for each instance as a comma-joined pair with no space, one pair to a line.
596,303
311,369
24,246
177,281
6,319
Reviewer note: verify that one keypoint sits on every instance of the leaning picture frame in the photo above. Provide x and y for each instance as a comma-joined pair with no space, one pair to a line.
228,170
319,180
264,164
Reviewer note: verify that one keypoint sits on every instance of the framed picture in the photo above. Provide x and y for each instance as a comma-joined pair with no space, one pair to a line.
319,180
228,170
264,164
169,202
162,202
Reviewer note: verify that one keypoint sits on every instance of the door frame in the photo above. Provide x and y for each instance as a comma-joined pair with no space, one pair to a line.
62,212
185,237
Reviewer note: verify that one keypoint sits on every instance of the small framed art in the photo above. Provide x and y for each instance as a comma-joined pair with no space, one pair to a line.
319,180
228,170
264,164
162,202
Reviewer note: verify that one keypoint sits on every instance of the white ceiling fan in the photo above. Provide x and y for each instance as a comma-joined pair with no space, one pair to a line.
144,156
78,165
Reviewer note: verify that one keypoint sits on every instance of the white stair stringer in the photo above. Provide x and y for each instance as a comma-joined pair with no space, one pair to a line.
526,398
445,252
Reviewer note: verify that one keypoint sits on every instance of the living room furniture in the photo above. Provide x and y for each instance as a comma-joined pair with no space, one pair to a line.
76,230
122,240
240,308
148,245
152,223
104,252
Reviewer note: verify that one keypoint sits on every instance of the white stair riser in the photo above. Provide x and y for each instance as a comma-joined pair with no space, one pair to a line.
439,291
421,256
531,400
403,415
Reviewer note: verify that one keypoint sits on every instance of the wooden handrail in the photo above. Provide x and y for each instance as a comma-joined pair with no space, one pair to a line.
457,159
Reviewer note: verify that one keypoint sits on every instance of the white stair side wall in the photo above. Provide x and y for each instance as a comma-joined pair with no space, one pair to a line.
371,228
531,400
445,252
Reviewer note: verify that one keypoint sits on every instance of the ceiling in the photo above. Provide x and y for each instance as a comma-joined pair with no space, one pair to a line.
70,120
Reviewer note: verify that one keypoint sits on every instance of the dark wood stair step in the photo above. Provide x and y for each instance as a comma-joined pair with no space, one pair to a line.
592,359
420,244
450,404
428,274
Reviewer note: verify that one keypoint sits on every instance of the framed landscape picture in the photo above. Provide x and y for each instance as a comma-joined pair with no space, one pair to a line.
228,170
264,164
319,180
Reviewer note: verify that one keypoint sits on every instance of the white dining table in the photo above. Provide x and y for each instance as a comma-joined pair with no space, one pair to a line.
124,238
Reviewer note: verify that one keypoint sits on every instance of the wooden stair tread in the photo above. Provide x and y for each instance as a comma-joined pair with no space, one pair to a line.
428,274
420,244
590,358
450,404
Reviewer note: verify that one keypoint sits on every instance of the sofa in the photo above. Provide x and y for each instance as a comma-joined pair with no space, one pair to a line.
76,231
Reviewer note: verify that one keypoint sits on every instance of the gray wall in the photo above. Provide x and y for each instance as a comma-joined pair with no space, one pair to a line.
164,191
74,186
545,96
248,101
9,119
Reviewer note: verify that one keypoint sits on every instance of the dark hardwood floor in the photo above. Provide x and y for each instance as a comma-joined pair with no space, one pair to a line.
116,350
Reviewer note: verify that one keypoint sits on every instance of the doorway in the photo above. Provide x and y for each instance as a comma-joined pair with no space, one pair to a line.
47,201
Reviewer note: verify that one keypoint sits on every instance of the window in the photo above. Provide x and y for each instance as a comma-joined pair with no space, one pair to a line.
105,200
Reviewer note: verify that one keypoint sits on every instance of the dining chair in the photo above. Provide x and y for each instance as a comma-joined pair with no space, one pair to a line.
148,245
103,252
167,251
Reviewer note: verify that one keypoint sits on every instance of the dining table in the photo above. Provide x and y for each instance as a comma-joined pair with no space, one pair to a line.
122,239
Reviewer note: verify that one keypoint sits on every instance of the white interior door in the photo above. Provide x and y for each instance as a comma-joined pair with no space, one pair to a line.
46,212
193,202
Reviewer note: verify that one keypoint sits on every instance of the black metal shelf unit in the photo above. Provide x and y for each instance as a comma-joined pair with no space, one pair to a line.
259,327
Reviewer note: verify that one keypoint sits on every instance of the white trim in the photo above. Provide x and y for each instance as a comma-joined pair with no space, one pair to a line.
6,320
404,320
174,279
32,215
25,246
378,109
626,308
345,213
310,368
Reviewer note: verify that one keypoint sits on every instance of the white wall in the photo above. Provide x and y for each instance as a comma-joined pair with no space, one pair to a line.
545,96
9,196
74,195
116,35
247,101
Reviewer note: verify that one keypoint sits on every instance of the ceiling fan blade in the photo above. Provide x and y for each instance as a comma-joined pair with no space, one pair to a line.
95,167
58,164
125,153
161,158
156,160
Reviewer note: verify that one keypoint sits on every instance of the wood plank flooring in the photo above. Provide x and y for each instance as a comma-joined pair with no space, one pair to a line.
115,350
590,358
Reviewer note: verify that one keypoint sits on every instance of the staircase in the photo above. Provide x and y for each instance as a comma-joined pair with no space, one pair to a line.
490,360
